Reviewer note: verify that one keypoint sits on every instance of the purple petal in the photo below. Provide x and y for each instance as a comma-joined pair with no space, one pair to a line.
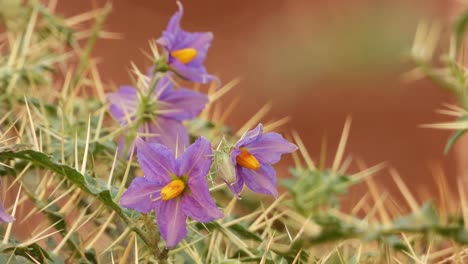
193,73
173,30
123,104
269,148
164,87
166,41
141,195
168,132
171,221
262,180
236,187
4,216
196,160
201,41
174,23
235,152
250,136
174,38
156,161
181,104
198,203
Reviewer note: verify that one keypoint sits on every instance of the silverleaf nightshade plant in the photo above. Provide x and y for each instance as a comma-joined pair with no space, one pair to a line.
185,51
68,213
174,187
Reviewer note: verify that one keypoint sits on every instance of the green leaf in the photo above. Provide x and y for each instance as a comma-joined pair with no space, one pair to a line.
425,218
32,252
90,185
462,236
237,229
86,183
244,232
395,242
459,233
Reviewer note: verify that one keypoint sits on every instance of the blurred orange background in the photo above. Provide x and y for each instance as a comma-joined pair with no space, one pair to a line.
316,61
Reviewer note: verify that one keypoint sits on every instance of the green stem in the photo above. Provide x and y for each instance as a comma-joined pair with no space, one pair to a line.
453,232
145,102
131,224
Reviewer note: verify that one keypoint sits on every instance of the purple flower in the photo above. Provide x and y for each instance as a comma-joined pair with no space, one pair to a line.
163,116
173,188
253,156
4,216
186,51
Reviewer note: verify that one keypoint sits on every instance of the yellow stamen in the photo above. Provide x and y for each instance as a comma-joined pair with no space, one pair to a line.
172,189
247,160
185,55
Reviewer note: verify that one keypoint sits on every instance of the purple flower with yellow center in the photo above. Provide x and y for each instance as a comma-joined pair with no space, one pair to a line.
174,188
253,156
164,113
186,51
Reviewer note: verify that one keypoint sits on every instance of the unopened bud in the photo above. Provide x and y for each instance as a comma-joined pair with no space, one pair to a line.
225,167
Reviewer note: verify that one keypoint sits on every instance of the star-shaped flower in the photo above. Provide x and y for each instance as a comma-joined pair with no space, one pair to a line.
174,188
186,51
253,156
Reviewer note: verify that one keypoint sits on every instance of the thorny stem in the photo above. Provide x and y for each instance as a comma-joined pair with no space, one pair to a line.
161,254
378,235
149,226
131,224
144,104
162,258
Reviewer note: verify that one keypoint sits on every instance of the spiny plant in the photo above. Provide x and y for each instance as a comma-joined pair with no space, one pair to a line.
151,173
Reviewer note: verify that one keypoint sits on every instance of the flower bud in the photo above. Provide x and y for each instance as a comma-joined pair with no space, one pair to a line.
225,167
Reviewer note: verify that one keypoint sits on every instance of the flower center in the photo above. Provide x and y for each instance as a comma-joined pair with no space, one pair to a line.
247,160
185,55
172,189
